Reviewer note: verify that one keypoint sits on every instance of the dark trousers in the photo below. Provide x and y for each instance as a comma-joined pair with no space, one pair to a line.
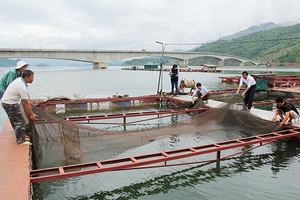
197,104
249,96
174,84
206,97
16,119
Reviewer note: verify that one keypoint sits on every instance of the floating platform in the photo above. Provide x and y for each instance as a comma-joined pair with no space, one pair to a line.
274,81
143,161
15,168
180,70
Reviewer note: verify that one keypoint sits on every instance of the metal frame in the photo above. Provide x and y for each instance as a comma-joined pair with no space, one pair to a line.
128,115
273,101
148,159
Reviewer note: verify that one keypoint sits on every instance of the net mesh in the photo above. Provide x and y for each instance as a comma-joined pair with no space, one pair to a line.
60,142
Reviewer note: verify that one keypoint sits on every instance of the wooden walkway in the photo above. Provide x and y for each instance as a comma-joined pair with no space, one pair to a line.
14,167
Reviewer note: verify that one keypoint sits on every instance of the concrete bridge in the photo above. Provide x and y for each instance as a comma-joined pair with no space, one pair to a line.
100,58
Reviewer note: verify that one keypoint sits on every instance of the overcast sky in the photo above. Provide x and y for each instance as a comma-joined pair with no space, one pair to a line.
132,24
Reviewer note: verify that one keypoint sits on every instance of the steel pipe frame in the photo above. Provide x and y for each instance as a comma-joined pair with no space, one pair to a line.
143,160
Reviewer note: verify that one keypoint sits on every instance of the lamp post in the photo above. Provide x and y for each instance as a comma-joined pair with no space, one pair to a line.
163,46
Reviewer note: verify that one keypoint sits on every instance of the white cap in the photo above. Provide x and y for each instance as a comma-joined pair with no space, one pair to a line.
21,64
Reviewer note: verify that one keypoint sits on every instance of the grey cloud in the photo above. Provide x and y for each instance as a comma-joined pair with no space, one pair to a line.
132,24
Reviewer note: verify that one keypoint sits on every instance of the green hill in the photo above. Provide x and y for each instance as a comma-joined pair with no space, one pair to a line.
279,45
251,29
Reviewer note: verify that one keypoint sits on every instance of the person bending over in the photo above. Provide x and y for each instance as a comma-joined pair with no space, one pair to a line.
17,91
249,91
286,111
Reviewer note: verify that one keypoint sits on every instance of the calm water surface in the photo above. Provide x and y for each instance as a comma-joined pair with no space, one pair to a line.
269,172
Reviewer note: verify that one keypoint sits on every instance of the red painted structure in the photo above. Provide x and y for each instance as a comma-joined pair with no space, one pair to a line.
273,101
51,104
159,113
276,81
180,70
148,159
286,81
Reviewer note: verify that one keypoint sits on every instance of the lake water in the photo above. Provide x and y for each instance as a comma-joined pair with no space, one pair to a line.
269,172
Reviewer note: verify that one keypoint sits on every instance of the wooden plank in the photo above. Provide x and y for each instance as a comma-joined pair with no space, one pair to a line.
14,167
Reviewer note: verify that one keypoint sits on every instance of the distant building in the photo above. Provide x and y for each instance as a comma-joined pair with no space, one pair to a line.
209,67
151,66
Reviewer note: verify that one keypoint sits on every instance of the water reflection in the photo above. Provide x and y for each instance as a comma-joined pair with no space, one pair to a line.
184,178
207,177
284,153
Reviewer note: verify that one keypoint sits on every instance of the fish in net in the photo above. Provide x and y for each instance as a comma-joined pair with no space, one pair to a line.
60,142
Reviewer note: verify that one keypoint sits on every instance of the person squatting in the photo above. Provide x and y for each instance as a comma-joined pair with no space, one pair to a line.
286,111
201,92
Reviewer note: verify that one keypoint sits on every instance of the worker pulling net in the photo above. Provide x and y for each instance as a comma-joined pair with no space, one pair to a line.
60,142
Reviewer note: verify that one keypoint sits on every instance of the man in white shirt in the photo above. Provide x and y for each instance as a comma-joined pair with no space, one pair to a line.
250,89
201,92
17,91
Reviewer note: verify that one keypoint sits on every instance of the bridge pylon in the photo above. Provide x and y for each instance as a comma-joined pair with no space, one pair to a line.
184,63
100,65
221,63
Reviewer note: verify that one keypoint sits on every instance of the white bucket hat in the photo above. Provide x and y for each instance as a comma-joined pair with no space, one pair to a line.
20,64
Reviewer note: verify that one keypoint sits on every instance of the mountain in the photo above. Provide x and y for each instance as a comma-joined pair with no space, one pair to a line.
263,42
250,30
280,45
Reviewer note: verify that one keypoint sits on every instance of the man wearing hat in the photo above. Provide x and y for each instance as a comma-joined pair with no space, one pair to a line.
11,76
